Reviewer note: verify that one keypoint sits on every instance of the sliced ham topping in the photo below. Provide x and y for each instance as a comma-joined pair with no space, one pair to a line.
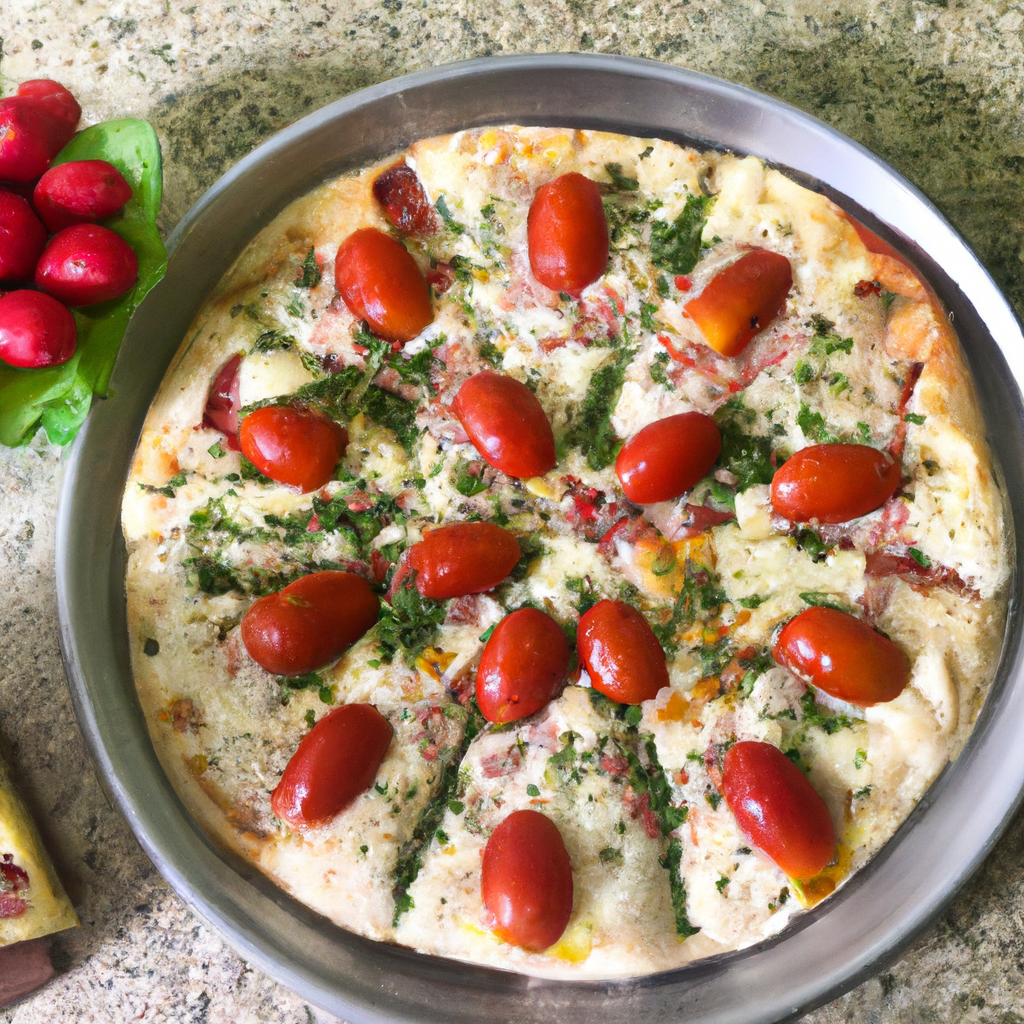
221,412
907,568
899,439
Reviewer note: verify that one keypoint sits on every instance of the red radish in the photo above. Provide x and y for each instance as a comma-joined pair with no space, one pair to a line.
34,126
35,330
22,238
52,97
85,264
80,192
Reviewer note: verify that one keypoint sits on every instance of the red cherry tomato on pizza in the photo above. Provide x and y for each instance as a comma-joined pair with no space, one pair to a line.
337,761
507,424
382,285
22,238
309,623
526,880
842,655
666,458
406,205
35,330
80,192
86,264
524,665
741,300
293,445
463,558
777,809
834,483
567,234
620,652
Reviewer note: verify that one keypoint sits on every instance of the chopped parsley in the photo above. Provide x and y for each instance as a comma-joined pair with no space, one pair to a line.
311,273
671,862
676,245
620,180
921,558
591,430
446,215
408,624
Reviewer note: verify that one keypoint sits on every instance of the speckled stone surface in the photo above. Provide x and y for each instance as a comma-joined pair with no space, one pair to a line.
933,86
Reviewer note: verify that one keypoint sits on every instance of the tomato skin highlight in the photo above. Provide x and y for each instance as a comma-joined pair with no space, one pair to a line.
523,666
526,880
741,300
567,234
336,761
842,655
309,623
462,558
405,203
621,654
777,809
667,457
381,284
834,483
293,445
35,330
507,424
86,264
22,238
80,192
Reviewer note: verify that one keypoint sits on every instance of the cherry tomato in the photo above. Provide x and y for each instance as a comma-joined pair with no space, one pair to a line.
221,412
293,445
834,483
777,809
310,623
80,192
620,652
741,300
463,558
524,665
382,285
86,264
507,424
22,238
337,760
526,880
843,656
399,191
667,457
35,330
34,126
567,234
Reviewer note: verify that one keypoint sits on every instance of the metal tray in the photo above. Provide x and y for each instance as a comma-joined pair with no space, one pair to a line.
848,938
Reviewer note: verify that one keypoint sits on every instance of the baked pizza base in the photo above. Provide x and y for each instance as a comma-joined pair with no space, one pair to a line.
402,863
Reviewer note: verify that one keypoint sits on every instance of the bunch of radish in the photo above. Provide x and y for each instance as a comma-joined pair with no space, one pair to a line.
53,252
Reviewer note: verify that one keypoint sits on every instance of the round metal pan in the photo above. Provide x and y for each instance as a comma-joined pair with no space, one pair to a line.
849,937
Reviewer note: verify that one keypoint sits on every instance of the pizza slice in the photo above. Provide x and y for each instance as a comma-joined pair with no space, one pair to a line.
32,901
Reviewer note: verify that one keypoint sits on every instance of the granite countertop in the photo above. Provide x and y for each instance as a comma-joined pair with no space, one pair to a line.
932,86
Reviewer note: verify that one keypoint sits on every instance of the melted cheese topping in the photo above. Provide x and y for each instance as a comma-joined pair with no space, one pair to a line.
662,874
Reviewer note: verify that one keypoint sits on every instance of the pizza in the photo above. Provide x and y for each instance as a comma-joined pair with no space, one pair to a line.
32,902
562,551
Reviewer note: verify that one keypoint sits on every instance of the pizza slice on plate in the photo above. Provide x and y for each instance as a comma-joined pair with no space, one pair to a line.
32,902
